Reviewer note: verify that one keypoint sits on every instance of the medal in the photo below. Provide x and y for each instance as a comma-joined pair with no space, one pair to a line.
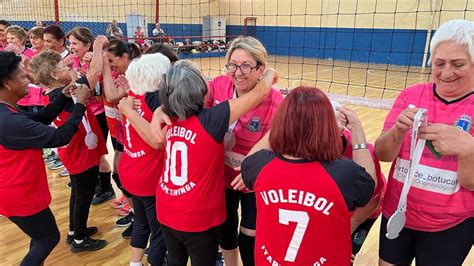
91,138
397,220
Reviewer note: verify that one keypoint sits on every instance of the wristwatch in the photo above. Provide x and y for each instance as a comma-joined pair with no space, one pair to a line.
360,146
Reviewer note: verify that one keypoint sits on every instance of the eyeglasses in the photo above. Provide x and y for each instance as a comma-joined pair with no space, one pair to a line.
244,68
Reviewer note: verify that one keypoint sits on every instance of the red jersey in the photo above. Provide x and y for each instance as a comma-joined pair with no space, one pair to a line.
304,208
76,156
140,165
24,187
190,193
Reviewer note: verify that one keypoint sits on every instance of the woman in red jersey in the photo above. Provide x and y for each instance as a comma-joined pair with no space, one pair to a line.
142,160
190,198
24,192
82,155
304,181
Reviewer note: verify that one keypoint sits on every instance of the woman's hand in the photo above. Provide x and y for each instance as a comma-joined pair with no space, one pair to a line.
82,93
405,119
158,122
447,139
126,105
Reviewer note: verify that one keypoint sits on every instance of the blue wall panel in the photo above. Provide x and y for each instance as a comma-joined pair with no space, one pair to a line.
383,46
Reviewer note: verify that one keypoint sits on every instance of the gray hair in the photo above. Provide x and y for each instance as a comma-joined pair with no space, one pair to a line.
145,73
183,90
457,30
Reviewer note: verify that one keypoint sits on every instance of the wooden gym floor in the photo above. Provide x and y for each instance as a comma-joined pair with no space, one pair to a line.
292,72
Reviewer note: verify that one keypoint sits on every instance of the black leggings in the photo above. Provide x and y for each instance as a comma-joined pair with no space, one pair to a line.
200,246
146,226
44,233
82,192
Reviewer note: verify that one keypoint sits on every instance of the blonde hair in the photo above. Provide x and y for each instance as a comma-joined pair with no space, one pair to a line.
42,65
18,32
252,46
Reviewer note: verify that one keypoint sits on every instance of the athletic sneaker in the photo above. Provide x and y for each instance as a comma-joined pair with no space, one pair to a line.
125,221
103,197
125,210
64,173
57,164
119,203
88,244
90,232
50,158
127,234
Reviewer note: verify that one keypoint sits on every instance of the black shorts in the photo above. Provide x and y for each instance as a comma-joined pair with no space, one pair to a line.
447,247
104,128
228,231
360,234
117,146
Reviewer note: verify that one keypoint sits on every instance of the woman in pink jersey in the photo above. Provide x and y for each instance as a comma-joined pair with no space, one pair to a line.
36,39
81,41
143,155
190,194
246,63
439,227
3,34
16,38
305,192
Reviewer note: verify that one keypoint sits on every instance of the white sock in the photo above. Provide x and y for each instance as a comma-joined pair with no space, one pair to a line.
78,241
70,233
136,263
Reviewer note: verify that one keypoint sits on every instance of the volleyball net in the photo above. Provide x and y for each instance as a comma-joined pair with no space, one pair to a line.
359,51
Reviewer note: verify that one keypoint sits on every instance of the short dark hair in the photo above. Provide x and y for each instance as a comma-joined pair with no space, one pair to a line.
57,32
5,23
319,139
164,49
9,63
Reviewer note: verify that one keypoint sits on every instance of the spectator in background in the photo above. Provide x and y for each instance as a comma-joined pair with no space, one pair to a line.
114,30
3,34
39,24
139,37
158,32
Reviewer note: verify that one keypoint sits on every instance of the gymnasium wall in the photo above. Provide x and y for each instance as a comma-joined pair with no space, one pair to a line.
374,31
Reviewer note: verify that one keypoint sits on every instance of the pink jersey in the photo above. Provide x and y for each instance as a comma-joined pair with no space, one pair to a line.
35,97
140,165
95,105
3,46
381,182
30,53
248,130
436,200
